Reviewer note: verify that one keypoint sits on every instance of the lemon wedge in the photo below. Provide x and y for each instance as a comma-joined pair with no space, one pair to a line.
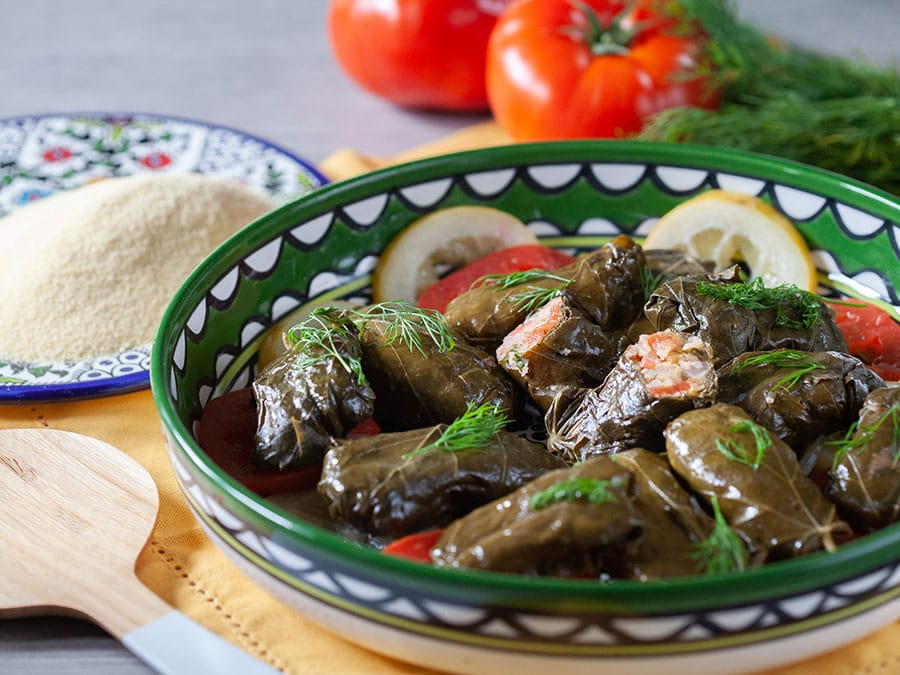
440,242
726,227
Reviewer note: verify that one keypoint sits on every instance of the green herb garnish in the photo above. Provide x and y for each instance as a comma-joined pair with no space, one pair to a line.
650,281
506,281
735,451
794,307
534,297
406,323
330,332
531,297
591,490
474,429
327,334
723,551
799,364
855,440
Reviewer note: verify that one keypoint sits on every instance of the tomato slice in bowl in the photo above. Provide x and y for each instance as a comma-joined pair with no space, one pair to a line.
505,261
226,433
872,336
415,546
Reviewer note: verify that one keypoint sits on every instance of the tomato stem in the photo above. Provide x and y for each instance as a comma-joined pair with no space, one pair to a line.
613,39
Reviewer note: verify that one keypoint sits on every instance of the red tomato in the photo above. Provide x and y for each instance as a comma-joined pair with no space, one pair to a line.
225,432
872,336
416,53
504,261
368,427
415,546
592,68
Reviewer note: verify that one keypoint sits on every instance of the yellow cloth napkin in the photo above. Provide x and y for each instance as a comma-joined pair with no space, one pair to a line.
181,565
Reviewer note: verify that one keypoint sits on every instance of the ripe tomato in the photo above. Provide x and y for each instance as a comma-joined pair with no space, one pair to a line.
588,68
872,336
416,53
504,261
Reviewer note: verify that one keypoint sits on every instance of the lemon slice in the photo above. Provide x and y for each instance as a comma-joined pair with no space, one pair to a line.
440,242
727,227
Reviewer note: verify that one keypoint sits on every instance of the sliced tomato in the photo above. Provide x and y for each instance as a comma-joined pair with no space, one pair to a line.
504,261
415,546
368,427
872,336
226,433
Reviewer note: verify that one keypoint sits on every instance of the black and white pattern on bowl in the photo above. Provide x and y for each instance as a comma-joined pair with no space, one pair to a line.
611,178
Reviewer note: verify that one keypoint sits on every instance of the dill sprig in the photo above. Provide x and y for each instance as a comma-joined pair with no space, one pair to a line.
755,295
330,332
650,281
506,281
475,428
406,323
531,297
737,452
590,490
855,440
723,551
327,334
798,363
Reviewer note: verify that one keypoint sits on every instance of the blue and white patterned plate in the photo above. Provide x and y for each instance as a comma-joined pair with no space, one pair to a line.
43,154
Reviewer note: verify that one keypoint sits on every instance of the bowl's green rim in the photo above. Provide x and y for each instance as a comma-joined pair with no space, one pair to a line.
788,577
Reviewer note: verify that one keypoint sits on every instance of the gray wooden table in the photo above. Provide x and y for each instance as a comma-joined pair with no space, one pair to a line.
263,67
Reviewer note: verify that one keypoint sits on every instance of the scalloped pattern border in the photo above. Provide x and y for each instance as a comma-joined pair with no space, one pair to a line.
417,613
610,178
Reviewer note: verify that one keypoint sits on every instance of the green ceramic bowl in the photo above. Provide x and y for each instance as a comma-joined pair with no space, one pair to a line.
325,244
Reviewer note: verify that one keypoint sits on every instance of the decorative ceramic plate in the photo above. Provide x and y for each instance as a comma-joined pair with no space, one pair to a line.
44,154
575,194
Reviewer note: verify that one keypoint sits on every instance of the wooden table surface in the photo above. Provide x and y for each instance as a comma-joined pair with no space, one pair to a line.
263,67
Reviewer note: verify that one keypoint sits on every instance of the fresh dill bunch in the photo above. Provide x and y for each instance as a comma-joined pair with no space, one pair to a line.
327,334
798,363
737,452
755,295
406,323
475,428
723,551
590,490
855,440
829,111
752,67
858,136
